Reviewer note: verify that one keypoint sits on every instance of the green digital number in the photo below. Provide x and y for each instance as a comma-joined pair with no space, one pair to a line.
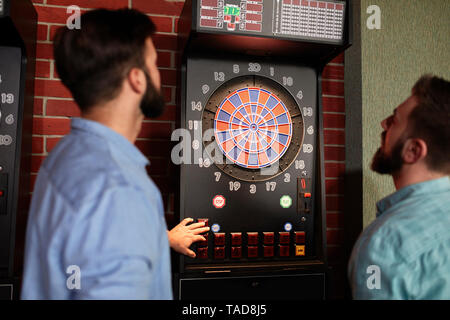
232,11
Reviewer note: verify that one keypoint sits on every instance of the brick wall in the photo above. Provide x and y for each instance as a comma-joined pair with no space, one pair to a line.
54,106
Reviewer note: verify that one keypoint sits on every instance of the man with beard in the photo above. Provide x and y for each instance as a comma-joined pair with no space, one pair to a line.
96,227
405,252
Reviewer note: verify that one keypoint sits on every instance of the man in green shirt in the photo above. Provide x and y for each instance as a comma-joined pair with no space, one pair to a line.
405,252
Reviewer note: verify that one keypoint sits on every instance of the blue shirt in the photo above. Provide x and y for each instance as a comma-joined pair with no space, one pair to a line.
96,227
405,252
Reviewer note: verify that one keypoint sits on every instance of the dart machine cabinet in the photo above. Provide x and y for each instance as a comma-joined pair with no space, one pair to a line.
251,152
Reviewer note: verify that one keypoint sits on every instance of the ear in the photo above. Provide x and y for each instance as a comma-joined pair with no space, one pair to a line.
136,79
414,150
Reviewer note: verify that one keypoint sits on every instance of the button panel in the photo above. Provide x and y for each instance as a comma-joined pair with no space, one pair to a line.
285,245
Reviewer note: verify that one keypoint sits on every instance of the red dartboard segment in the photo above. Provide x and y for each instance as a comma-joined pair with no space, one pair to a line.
253,127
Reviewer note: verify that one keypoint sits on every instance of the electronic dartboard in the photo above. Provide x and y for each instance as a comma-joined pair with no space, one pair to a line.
251,150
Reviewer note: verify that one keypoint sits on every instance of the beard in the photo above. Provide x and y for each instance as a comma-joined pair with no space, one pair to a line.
152,103
388,164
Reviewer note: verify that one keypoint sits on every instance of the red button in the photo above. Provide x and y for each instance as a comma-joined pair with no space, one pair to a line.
1,193
252,238
307,195
205,220
252,252
284,251
236,238
219,252
204,243
284,237
268,251
202,253
268,237
219,239
300,237
236,252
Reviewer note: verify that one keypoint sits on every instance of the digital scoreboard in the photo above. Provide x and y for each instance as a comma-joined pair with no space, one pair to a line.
251,157
298,19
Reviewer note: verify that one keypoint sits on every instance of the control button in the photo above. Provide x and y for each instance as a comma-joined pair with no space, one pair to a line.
219,252
219,239
205,220
252,238
268,251
236,252
252,252
299,237
204,243
307,195
1,193
268,237
202,253
299,250
236,238
284,237
284,251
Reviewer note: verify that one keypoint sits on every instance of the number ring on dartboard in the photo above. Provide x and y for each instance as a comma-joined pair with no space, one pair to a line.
257,124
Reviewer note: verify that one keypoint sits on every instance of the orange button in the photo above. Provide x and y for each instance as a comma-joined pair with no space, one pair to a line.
307,195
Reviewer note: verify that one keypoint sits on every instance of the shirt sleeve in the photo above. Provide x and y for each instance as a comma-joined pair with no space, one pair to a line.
375,271
114,244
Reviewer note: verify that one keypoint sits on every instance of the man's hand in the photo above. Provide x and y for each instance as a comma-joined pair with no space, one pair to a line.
182,236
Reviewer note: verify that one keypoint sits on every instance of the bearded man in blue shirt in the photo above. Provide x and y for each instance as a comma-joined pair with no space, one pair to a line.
405,252
96,228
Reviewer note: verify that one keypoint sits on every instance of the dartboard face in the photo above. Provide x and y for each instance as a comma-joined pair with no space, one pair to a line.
257,125
253,128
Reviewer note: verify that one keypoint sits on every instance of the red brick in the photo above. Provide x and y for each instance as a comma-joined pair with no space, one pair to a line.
42,69
44,51
153,148
335,236
51,88
333,88
334,170
38,107
42,30
334,137
333,72
335,220
335,153
65,108
335,203
52,14
165,59
110,4
37,144
163,24
165,7
165,42
51,126
51,143
155,130
333,104
339,59
333,121
168,77
36,162
169,114
334,187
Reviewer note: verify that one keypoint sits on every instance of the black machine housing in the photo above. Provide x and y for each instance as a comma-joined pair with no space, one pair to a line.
286,207
18,24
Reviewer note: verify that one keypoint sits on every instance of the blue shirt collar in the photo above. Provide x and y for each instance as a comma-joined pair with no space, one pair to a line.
115,139
414,190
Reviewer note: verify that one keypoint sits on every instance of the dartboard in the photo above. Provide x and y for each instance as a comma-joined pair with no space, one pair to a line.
253,127
257,124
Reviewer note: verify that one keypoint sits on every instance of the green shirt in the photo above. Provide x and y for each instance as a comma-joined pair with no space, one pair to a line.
405,252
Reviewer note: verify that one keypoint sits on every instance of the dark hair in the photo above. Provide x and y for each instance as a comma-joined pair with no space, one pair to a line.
93,61
430,120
